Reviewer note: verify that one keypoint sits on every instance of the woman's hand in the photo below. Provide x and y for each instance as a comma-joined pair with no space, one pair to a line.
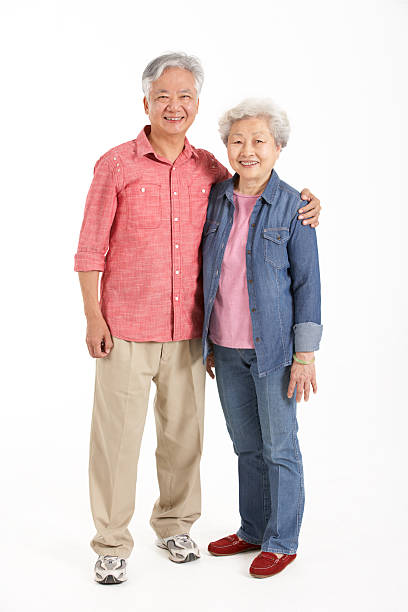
98,337
301,377
311,212
210,364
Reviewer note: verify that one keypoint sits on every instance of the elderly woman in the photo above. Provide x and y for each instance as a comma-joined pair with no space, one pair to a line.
261,328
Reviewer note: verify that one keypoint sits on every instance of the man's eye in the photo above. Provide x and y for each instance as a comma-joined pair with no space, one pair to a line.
186,96
236,142
259,141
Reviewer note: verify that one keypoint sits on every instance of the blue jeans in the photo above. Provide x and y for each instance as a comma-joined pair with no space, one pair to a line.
262,423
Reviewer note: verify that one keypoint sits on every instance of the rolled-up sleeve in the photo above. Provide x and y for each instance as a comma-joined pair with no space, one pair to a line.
305,274
100,209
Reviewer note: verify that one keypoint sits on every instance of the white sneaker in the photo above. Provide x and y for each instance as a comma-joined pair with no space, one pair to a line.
181,548
110,570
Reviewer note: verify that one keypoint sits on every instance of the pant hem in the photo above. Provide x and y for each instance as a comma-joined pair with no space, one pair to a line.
244,536
280,552
113,552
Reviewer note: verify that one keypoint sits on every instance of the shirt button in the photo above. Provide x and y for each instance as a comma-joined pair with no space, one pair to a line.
115,158
176,298
177,271
117,164
118,169
177,246
143,189
173,168
203,190
175,193
176,218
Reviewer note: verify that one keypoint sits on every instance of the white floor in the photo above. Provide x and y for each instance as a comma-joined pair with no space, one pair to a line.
351,554
330,578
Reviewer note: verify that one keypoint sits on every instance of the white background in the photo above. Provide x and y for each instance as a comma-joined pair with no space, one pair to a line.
71,89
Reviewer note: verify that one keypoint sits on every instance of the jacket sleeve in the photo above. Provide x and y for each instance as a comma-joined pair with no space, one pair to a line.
100,209
305,274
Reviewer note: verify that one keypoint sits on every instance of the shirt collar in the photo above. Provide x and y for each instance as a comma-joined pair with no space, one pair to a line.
268,193
143,146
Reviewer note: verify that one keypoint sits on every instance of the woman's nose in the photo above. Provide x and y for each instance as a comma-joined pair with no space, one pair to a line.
247,149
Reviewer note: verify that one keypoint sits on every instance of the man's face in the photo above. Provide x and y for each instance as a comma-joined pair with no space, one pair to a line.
173,102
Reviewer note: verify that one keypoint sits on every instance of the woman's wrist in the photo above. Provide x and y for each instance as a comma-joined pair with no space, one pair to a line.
304,358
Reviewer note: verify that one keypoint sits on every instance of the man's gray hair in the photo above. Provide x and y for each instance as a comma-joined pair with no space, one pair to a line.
157,66
257,107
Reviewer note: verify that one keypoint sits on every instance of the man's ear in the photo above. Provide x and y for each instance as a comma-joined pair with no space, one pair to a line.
146,105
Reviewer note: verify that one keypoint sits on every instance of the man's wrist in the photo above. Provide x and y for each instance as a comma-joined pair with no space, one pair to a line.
93,314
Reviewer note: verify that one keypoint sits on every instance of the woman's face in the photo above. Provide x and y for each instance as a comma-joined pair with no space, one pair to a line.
252,151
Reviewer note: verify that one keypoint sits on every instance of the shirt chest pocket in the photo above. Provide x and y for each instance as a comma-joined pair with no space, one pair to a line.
198,201
275,246
144,209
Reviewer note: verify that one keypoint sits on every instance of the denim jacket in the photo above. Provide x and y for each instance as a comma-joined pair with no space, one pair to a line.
282,271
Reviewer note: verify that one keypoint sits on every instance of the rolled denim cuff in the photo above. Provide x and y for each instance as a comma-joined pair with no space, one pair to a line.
307,337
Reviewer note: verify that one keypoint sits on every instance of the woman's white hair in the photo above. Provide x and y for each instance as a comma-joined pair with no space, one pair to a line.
257,107
157,66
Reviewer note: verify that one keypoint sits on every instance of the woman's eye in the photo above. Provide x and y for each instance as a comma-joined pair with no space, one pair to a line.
259,141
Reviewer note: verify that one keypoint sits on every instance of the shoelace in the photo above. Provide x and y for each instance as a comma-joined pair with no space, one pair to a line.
183,538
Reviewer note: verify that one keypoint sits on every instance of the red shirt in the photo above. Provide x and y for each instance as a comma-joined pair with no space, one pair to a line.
142,228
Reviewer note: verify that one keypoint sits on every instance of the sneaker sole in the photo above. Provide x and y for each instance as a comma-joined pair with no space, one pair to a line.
110,580
190,557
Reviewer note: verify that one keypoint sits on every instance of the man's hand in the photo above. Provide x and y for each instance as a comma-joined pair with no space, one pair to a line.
210,364
311,212
301,377
98,337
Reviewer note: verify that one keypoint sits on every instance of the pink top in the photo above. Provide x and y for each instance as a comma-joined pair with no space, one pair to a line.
230,323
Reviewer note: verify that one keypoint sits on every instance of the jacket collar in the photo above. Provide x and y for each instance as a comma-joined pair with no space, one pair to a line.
144,148
268,193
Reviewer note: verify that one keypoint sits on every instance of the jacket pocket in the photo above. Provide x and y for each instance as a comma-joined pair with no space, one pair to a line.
275,246
143,204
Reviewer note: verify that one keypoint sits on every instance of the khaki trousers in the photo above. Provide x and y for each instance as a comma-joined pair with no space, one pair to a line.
122,388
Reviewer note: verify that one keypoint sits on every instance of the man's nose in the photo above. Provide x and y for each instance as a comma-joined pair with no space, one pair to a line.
173,103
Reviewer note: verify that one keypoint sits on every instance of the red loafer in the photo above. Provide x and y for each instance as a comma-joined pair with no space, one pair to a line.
231,545
268,564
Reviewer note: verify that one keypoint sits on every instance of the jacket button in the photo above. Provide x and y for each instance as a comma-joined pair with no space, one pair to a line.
249,252
257,339
250,280
253,309
253,225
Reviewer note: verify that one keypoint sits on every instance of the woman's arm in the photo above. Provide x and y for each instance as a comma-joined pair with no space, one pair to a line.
305,274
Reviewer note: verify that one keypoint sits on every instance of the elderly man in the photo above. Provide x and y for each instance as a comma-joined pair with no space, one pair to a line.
142,229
